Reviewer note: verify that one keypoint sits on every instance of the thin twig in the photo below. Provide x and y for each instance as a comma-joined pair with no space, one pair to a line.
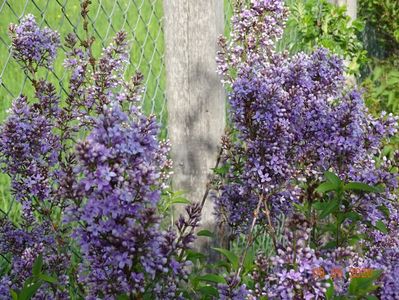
250,236
271,230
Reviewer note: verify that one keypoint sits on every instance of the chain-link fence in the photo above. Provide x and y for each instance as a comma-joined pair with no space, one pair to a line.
141,19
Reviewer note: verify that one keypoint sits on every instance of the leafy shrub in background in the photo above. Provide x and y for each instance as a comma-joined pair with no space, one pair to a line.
382,86
297,122
319,23
369,43
88,171
382,20
381,39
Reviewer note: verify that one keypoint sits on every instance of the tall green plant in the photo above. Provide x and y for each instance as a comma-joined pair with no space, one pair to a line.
318,23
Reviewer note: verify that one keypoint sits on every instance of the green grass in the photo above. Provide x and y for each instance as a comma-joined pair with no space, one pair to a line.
141,19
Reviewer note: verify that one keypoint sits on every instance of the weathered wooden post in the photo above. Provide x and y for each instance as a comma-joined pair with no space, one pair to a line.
195,96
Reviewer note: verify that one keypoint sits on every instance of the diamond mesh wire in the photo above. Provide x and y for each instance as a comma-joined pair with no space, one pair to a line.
141,19
228,13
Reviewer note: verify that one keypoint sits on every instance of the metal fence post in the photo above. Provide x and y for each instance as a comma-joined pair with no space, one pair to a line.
195,96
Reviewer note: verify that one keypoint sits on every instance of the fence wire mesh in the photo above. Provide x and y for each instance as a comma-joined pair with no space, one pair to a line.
141,19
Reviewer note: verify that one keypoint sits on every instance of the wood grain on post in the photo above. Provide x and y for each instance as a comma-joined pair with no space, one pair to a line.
195,96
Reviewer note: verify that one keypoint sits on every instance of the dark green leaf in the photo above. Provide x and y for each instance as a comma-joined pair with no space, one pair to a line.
233,259
29,291
332,178
362,286
209,291
381,226
47,278
384,210
326,187
361,187
212,278
329,208
330,290
14,295
353,216
37,266
193,255
206,233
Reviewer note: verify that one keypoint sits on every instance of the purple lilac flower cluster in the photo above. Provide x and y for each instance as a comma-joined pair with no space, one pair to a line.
294,115
124,249
290,273
30,154
299,272
25,247
383,250
295,118
29,151
233,289
33,46
121,238
103,191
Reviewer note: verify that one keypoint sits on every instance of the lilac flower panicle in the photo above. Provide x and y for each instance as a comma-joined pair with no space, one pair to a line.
103,191
120,161
233,290
33,45
295,117
29,152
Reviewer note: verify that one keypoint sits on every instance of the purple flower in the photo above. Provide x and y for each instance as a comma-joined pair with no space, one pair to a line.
33,46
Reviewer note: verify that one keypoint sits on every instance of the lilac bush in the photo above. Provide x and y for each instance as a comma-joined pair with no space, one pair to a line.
293,119
88,171
295,116
33,47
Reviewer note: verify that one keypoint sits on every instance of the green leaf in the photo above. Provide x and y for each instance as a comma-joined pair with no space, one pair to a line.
329,208
223,170
14,295
37,266
330,245
330,290
29,291
209,291
193,255
362,286
122,297
353,216
180,200
332,178
212,278
326,187
233,259
361,187
47,278
249,261
206,233
381,226
382,208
